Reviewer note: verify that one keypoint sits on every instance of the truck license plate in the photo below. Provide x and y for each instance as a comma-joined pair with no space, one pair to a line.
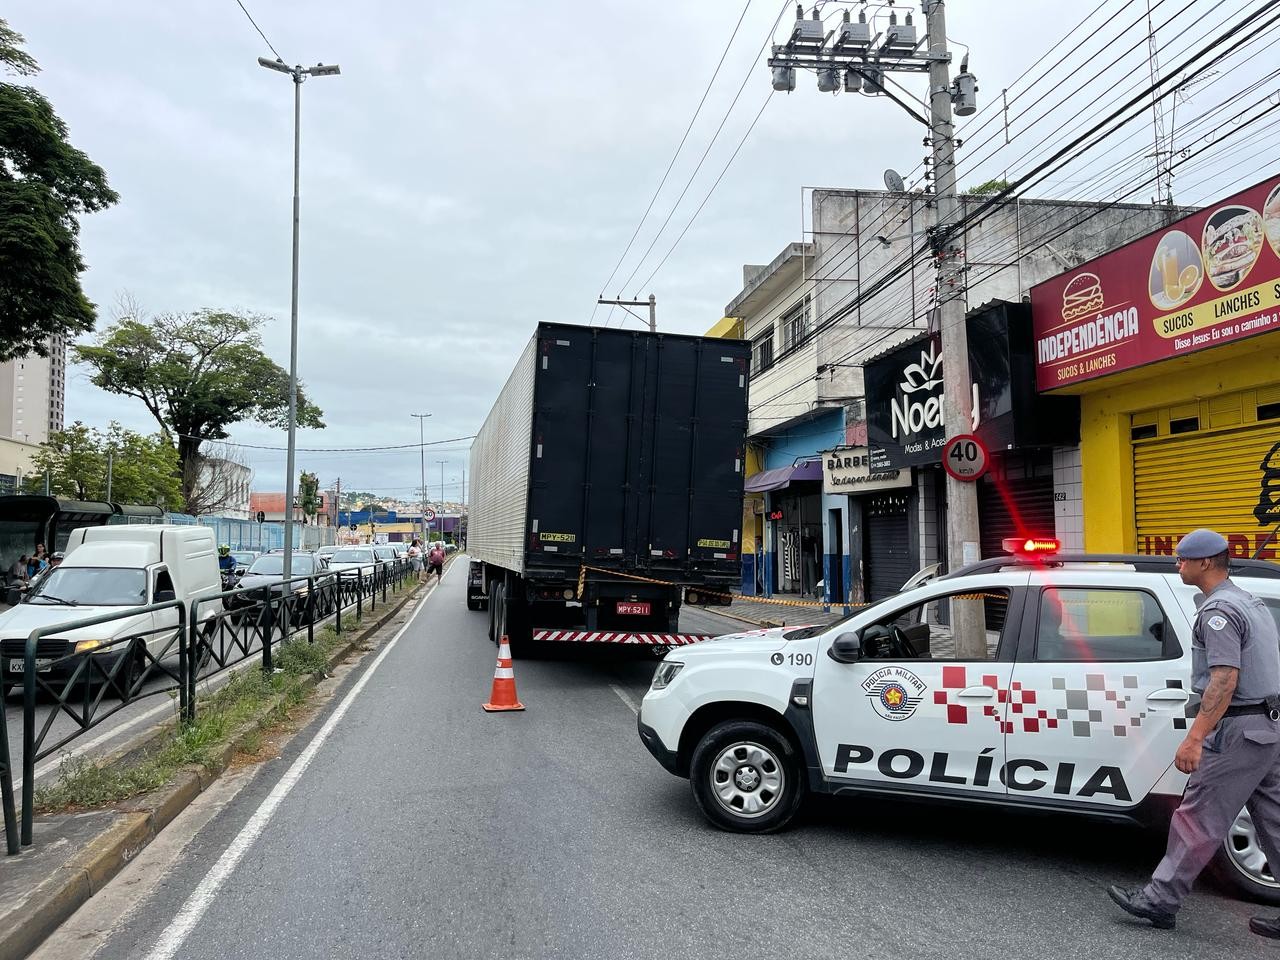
633,608
15,665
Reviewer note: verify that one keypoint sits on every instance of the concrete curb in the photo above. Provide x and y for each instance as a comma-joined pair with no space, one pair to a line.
106,855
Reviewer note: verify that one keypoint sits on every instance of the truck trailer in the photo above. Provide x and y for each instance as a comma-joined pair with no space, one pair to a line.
606,486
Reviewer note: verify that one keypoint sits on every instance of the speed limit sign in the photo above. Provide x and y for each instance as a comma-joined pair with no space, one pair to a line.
430,515
964,457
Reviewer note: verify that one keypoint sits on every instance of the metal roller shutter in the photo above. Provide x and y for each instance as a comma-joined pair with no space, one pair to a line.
1016,500
1208,479
890,561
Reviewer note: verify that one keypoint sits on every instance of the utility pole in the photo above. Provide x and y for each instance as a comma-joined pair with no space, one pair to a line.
440,516
298,74
651,303
110,464
422,458
853,57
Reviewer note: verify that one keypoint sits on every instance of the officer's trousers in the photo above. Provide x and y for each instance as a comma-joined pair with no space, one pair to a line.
1240,767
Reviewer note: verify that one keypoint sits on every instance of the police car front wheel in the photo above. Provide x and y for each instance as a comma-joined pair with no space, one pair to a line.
1241,865
746,777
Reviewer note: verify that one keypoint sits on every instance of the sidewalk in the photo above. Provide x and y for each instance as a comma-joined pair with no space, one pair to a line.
791,613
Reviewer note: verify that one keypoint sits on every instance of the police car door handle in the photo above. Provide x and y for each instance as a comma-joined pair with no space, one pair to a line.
1168,697
985,693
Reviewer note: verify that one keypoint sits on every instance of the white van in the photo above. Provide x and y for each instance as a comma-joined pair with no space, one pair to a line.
110,569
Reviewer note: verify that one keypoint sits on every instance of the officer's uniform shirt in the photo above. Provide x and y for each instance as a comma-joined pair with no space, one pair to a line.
1234,629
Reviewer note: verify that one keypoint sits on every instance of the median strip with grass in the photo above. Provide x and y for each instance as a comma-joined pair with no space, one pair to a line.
250,696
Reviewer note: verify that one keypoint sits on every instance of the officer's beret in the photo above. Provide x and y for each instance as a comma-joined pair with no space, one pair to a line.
1199,544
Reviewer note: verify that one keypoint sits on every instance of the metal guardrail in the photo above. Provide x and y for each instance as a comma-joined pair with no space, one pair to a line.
206,637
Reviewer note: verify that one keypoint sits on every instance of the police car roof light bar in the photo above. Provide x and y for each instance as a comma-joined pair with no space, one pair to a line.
1031,546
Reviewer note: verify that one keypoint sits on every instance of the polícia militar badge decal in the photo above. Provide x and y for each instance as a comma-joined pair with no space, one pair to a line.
894,692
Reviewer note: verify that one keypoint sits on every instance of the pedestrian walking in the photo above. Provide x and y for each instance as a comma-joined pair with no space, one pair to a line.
435,561
1232,750
415,556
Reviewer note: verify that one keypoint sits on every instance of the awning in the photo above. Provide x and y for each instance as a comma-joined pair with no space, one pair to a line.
781,477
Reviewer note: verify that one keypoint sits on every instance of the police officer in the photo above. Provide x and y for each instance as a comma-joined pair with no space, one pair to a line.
1232,750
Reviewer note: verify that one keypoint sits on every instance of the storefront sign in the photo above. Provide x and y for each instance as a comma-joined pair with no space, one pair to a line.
1208,279
849,471
904,406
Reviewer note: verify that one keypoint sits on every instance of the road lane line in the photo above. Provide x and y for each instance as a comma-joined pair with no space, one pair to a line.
196,905
625,698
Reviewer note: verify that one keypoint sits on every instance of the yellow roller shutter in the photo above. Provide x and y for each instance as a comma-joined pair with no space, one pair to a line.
1206,479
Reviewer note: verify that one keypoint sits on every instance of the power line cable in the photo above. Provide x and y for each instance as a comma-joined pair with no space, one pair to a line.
399,446
259,29
680,146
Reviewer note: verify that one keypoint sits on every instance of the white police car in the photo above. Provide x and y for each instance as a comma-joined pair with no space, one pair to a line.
1057,682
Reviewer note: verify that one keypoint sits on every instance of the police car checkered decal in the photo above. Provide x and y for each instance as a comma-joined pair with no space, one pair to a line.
1086,711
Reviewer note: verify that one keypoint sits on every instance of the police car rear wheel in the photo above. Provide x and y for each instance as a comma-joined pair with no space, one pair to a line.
746,777
1242,865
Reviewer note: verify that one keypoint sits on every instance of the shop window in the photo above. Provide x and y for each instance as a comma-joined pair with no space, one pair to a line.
1144,432
1087,625
762,352
1184,425
1269,411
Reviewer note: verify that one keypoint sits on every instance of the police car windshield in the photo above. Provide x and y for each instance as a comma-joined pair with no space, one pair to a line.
804,633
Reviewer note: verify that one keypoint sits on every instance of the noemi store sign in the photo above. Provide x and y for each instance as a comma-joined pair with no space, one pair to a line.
848,471
1205,280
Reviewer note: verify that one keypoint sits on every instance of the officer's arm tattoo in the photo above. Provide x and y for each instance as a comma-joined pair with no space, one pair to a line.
1215,700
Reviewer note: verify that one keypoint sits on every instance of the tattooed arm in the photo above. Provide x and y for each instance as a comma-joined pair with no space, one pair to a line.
1213,704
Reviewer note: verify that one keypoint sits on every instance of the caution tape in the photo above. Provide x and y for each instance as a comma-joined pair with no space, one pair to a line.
772,601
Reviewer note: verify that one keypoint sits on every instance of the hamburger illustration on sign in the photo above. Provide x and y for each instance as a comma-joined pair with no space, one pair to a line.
1082,296
1232,241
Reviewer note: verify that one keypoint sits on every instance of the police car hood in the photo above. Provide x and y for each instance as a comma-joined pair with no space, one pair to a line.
732,643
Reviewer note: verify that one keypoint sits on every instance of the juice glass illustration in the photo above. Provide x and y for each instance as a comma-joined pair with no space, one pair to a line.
1169,274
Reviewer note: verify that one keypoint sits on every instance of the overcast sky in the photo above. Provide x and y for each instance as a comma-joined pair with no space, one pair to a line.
477,168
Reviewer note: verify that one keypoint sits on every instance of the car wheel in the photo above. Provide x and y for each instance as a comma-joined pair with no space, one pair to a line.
1241,866
746,777
205,653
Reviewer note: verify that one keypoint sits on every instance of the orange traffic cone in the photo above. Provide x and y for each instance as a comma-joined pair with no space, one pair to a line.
503,696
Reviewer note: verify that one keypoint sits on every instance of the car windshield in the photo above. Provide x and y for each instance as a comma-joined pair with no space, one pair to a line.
242,557
353,556
386,553
273,565
92,586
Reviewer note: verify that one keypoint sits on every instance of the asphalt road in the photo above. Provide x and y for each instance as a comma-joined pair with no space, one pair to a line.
418,826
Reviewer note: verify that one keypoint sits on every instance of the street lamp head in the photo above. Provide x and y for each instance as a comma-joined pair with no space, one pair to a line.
323,70
278,65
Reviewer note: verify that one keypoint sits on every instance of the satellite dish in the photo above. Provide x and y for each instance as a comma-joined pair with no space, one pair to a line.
892,181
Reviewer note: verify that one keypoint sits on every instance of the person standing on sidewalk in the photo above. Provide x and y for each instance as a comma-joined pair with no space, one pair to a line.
1232,750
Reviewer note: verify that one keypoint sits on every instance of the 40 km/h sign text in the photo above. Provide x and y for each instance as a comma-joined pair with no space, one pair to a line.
964,457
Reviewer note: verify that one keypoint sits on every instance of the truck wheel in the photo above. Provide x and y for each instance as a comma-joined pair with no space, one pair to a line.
1241,866
746,777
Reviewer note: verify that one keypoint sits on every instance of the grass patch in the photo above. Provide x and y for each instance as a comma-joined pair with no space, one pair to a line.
83,783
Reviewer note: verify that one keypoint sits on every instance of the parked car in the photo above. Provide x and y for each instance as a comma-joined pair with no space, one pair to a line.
328,551
110,569
268,572
385,552
360,558
244,560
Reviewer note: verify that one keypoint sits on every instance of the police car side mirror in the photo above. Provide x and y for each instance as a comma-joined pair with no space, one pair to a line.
846,648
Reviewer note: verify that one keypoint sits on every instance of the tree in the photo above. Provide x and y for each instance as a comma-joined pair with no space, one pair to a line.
988,188
143,469
309,496
198,374
45,185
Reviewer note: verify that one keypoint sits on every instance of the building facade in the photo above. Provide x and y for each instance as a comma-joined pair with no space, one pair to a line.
860,289
33,394
1172,345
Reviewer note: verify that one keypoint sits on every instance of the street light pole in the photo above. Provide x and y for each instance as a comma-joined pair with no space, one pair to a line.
298,74
422,457
442,463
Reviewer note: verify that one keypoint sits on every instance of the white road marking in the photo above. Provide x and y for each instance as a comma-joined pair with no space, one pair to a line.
625,698
196,905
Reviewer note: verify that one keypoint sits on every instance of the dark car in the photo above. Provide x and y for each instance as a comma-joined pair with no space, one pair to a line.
267,572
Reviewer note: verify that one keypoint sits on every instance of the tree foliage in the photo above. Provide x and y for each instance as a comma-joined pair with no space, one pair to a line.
45,185
988,188
309,496
198,374
143,469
